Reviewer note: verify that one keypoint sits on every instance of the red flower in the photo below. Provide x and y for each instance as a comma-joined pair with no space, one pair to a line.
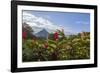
24,35
55,36
45,45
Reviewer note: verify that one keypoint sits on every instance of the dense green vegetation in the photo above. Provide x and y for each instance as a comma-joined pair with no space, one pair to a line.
56,47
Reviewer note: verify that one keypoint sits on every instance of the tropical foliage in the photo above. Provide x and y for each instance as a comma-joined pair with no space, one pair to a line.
57,46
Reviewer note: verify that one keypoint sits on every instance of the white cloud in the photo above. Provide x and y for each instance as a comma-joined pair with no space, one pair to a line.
36,21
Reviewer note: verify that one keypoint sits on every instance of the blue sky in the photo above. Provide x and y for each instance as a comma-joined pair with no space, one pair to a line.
75,22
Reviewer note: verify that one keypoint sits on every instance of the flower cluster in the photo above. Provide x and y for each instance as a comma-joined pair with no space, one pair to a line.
24,35
55,36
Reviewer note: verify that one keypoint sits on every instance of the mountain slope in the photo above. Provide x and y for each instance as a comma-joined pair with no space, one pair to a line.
42,34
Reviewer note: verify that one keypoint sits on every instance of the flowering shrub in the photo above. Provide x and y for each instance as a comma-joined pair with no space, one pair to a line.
55,36
59,48
24,35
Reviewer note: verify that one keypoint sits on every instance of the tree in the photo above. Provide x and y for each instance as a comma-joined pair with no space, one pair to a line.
26,29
